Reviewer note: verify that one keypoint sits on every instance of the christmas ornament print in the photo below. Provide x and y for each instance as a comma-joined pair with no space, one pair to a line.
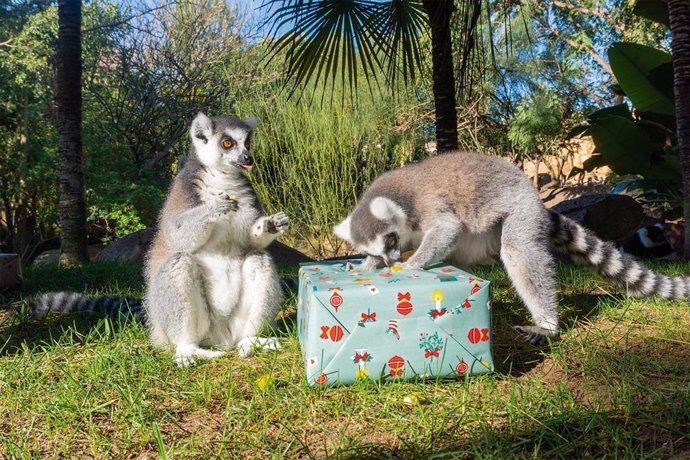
335,333
397,366
475,335
336,299
462,367
404,306
321,379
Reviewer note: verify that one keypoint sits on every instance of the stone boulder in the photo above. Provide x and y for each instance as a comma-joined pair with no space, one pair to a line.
612,217
133,248
130,248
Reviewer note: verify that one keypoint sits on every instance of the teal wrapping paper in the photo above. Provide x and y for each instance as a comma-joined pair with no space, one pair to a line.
392,324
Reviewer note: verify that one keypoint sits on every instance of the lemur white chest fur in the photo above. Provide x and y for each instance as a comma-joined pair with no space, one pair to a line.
469,208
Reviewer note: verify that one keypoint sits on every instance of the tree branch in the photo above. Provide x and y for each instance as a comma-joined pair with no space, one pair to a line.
111,25
570,42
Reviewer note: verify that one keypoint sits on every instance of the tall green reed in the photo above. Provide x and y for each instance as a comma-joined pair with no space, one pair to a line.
313,160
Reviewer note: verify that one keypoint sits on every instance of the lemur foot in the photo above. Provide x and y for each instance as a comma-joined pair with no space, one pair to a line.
277,223
187,356
222,205
535,335
249,345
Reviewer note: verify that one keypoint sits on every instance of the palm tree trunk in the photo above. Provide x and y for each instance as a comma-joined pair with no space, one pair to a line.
439,12
72,201
679,16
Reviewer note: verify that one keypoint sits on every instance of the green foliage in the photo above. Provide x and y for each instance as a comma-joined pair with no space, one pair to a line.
313,162
535,127
640,144
644,74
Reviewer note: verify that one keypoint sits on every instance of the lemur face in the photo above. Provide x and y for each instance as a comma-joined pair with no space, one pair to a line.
375,231
223,143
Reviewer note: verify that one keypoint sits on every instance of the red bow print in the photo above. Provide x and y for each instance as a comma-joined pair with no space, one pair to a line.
324,332
396,372
406,296
433,353
362,357
485,334
436,313
366,317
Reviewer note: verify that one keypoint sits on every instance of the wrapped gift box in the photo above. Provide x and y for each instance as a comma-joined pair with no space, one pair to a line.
392,324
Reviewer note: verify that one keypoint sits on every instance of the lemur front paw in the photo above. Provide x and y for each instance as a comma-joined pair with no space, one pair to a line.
223,205
277,223
536,335
248,346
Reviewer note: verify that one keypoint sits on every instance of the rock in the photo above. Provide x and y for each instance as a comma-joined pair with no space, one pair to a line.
130,248
612,217
133,248
49,257
10,272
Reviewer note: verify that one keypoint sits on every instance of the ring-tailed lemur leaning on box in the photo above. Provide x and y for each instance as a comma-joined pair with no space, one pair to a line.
469,208
209,281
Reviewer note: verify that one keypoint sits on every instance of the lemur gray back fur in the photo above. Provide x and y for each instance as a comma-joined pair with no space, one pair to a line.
470,208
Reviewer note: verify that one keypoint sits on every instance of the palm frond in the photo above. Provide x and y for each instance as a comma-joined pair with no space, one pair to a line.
323,40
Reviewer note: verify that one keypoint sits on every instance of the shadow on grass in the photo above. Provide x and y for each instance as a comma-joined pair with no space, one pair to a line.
18,331
629,405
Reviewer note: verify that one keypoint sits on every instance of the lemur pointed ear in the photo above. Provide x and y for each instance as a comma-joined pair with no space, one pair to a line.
202,128
252,122
385,209
343,229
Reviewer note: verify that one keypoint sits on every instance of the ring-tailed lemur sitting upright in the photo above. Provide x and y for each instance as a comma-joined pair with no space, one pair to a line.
209,281
469,208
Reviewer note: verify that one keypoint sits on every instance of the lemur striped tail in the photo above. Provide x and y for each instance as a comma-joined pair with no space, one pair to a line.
585,248
118,308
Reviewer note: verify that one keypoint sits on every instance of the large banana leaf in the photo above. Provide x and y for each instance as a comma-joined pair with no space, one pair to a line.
642,73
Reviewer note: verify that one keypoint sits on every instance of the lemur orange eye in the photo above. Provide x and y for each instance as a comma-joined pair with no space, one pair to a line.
227,144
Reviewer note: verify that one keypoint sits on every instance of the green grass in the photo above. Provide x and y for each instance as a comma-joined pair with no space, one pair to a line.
616,384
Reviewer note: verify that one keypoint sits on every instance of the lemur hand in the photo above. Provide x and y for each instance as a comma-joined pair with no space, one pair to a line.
223,205
277,223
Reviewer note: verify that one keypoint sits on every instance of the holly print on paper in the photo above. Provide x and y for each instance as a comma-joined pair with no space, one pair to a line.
335,333
404,306
361,358
431,344
437,297
397,366
367,317
475,335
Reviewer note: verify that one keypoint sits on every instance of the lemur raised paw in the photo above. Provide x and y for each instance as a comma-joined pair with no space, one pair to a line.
277,223
223,205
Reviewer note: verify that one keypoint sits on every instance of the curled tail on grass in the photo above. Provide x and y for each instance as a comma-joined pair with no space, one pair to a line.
118,308
585,248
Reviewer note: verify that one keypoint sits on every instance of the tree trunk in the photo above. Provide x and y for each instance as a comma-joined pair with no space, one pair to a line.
679,16
439,12
72,201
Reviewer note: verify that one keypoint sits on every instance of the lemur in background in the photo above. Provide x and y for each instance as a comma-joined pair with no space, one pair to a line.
469,208
209,281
